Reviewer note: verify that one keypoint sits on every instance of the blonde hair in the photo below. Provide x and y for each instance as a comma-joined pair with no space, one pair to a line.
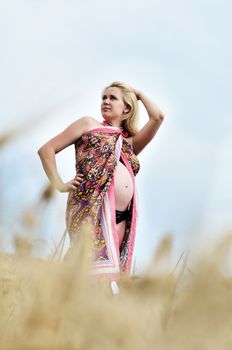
129,123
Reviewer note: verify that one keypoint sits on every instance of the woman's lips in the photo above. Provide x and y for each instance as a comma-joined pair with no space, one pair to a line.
106,109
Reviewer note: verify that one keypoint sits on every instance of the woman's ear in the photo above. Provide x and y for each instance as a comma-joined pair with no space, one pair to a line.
127,109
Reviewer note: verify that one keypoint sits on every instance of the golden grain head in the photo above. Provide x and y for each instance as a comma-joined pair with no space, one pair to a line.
56,305
48,192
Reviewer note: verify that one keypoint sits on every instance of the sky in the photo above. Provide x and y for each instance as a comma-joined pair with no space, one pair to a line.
57,56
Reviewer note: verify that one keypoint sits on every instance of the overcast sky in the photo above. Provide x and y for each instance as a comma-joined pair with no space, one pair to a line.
57,56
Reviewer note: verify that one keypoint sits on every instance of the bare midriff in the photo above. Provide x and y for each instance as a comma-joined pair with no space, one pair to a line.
123,187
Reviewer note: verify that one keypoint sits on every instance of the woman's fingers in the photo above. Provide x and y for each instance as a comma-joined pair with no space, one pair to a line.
79,176
76,182
78,179
72,184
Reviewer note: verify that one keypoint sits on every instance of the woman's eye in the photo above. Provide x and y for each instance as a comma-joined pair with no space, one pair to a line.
104,97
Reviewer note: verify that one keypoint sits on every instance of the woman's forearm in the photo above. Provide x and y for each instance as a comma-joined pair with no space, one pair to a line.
48,160
153,110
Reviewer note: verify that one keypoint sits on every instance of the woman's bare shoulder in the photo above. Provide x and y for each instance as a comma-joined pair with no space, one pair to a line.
91,123
87,119
84,123
70,134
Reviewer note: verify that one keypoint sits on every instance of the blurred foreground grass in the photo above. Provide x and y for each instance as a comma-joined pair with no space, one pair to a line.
51,305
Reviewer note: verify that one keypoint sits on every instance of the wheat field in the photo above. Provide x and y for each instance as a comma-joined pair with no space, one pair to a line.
46,304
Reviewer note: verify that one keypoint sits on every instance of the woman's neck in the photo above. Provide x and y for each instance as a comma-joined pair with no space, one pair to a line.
124,133
105,122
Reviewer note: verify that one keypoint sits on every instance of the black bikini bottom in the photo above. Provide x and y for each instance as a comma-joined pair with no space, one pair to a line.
121,215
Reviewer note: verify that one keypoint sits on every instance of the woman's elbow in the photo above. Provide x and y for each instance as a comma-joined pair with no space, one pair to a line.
46,151
161,116
42,150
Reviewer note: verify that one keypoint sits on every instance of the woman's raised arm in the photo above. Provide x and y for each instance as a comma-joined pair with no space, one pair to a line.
156,117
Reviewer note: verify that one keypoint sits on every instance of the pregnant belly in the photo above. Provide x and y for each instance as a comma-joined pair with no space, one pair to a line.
123,187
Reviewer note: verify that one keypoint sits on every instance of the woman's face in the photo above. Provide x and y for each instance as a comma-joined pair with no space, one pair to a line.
112,106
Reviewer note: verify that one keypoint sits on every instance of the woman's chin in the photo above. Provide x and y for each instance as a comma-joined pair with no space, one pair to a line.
105,116
105,113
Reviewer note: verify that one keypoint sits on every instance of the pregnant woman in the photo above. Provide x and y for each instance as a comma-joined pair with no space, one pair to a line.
103,192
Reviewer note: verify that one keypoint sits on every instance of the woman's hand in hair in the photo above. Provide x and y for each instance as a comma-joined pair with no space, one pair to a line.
136,92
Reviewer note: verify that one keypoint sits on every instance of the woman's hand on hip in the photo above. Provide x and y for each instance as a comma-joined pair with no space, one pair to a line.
72,184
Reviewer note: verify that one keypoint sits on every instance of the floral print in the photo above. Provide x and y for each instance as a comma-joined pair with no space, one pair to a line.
96,159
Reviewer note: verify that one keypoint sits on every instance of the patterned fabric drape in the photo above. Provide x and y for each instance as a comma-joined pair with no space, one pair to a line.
97,153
